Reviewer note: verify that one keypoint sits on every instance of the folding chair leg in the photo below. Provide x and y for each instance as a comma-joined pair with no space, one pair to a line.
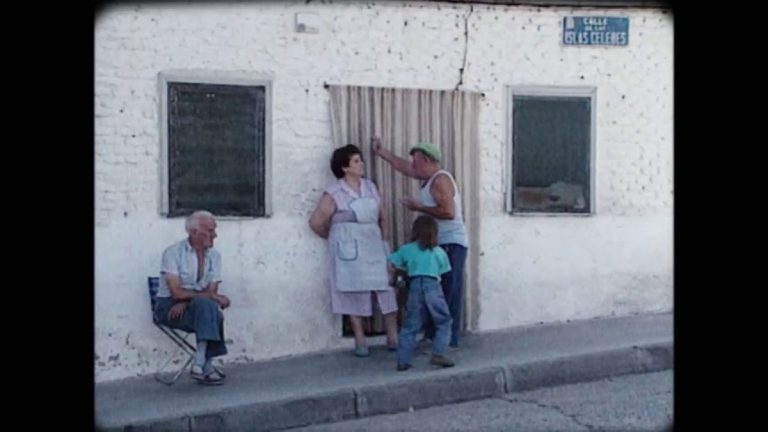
172,381
185,346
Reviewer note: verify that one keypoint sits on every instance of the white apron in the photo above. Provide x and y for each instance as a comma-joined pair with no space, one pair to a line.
358,252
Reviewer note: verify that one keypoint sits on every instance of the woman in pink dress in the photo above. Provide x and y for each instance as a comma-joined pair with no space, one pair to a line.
350,216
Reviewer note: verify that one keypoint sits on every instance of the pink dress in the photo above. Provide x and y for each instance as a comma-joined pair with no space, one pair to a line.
358,302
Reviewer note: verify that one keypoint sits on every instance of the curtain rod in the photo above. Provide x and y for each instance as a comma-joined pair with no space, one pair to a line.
326,86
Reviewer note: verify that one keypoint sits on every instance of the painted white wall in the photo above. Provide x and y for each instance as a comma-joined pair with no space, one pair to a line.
530,269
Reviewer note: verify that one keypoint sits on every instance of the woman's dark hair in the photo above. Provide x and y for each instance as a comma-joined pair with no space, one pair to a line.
425,232
341,157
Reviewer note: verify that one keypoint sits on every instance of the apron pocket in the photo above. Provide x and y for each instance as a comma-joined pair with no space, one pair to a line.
347,250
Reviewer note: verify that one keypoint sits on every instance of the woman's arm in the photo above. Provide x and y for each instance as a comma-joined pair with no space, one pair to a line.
320,221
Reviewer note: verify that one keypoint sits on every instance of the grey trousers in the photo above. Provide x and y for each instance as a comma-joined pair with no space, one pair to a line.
202,317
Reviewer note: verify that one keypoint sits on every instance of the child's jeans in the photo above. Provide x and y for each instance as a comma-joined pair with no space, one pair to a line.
453,289
425,299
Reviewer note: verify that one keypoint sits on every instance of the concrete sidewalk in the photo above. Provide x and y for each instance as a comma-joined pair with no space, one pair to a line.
338,386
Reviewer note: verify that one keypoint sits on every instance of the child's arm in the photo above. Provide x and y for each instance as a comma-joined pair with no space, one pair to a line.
395,267
398,278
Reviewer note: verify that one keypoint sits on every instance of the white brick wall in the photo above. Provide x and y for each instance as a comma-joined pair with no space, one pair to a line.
530,269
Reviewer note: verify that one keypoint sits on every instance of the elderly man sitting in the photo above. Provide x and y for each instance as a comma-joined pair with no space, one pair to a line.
188,297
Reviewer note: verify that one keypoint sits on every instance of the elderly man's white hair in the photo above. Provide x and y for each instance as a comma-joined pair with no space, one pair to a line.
193,220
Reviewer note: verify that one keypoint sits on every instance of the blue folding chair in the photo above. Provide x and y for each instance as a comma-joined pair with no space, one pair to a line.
179,337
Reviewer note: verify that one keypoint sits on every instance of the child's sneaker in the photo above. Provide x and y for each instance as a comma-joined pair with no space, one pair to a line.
439,360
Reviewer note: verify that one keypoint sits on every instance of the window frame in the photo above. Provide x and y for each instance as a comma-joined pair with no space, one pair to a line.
548,91
205,77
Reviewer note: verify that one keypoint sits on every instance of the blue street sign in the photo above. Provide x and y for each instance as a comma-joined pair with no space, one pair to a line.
595,30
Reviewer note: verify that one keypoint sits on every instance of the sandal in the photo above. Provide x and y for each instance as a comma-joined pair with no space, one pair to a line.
220,371
197,372
212,378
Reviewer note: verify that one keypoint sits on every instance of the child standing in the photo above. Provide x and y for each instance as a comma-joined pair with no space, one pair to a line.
424,261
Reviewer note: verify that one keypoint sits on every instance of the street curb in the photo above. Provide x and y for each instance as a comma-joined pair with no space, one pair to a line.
281,414
261,416
419,393
589,367
430,391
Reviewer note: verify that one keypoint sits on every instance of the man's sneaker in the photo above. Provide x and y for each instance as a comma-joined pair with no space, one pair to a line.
403,366
439,360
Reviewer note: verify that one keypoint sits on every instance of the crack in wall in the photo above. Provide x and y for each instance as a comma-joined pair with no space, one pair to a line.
466,47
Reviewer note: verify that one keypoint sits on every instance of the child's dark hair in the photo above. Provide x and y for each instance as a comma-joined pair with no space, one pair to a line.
425,232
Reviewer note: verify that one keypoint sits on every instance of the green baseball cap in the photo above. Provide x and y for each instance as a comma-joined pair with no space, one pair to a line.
428,149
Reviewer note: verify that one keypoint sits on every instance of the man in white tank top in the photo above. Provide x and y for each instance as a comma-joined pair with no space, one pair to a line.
439,197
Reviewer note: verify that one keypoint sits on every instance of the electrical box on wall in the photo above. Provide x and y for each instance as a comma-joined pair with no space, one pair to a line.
307,23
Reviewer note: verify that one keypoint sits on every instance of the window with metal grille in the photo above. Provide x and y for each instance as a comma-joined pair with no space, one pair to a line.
551,158
216,143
